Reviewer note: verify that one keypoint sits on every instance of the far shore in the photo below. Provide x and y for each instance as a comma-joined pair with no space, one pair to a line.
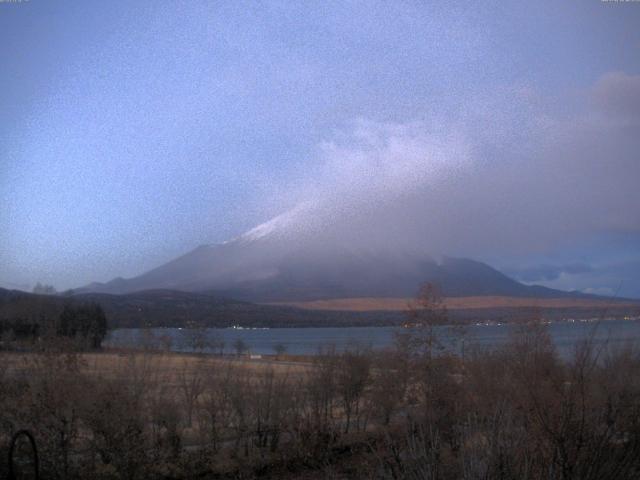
370,304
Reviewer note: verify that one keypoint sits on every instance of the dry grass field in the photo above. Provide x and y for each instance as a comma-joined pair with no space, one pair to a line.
518,411
456,303
161,366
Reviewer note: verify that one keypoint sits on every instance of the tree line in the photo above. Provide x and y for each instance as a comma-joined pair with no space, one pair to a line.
84,324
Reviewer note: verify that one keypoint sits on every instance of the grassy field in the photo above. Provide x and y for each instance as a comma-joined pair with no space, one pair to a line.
162,366
517,411
455,303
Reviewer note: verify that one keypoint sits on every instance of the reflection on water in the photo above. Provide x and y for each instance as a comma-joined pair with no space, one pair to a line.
305,341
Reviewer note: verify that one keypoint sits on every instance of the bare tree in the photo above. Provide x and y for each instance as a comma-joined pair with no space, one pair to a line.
166,341
280,349
216,404
352,378
191,384
217,344
239,346
388,385
55,393
196,339
430,328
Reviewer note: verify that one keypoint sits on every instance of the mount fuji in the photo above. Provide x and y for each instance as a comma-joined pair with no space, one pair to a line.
295,257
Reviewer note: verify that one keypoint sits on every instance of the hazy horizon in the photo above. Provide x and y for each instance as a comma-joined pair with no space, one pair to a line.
131,134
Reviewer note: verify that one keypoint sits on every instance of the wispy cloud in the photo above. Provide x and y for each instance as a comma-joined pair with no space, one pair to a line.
509,173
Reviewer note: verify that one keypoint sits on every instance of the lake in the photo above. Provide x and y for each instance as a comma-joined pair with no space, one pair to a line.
306,341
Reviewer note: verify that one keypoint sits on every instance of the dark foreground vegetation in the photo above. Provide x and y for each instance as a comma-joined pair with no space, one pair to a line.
516,412
82,325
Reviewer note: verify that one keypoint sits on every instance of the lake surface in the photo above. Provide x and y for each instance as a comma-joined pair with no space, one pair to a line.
306,341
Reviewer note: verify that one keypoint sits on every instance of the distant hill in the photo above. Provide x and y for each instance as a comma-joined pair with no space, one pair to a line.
166,308
170,308
152,308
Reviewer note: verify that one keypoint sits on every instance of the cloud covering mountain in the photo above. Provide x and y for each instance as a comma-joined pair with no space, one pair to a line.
504,177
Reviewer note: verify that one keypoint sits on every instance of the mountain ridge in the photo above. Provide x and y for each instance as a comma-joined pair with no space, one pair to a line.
291,258
458,277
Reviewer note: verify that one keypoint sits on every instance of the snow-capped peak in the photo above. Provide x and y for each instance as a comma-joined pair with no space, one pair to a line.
264,229
274,226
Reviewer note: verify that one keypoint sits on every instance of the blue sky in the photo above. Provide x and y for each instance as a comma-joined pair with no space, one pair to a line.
131,132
